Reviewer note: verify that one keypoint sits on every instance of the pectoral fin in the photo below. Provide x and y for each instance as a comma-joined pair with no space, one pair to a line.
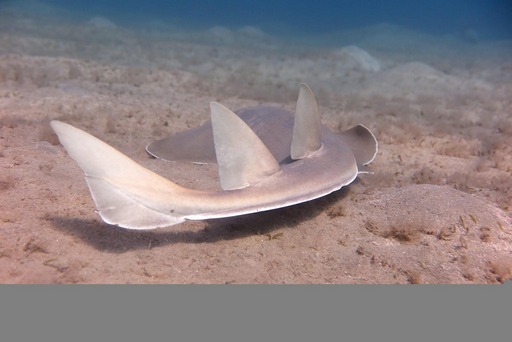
362,142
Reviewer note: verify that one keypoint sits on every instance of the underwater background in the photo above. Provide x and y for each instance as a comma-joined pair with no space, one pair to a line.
492,19
431,79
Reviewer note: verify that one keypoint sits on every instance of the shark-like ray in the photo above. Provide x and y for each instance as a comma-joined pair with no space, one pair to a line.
266,160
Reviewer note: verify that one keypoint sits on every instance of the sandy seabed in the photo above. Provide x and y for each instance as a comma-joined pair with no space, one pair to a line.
437,208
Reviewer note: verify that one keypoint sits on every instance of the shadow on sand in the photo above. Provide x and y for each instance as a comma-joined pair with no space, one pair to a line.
113,239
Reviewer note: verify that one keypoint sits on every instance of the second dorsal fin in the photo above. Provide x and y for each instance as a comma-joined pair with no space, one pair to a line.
307,128
242,158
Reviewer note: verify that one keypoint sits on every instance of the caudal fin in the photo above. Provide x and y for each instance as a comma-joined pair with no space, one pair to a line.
126,194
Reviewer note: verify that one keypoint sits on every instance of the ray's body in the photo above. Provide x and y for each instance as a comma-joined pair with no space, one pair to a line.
267,159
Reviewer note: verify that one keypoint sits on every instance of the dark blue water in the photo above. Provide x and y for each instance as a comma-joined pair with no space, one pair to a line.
492,19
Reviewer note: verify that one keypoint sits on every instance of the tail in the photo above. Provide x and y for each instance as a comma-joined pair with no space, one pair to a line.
126,194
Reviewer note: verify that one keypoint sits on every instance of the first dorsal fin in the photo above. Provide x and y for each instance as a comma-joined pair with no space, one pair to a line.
242,158
307,128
